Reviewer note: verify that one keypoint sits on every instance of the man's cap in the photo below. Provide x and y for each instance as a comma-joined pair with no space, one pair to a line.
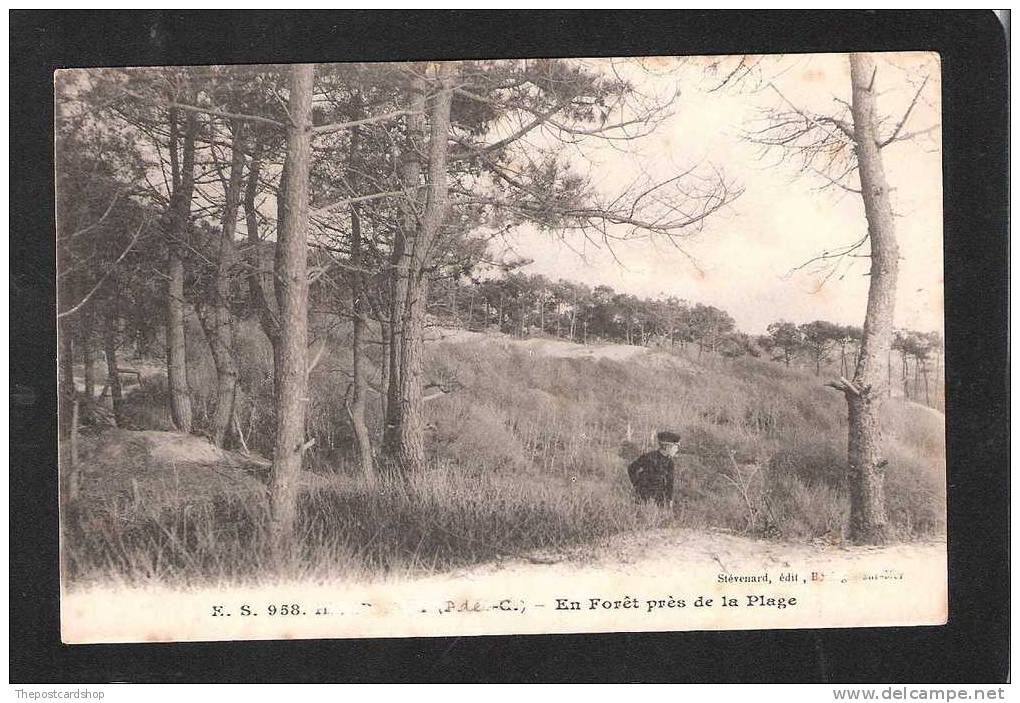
664,436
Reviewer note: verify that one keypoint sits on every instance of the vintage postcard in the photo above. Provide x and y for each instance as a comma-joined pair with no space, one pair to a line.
500,346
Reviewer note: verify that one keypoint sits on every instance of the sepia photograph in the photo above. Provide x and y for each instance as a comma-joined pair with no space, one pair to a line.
507,346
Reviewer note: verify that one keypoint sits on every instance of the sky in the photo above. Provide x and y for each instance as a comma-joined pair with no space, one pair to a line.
742,258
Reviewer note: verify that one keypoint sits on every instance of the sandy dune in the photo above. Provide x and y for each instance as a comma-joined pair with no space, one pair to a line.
536,346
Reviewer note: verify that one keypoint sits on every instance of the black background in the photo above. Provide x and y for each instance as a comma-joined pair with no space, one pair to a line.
973,647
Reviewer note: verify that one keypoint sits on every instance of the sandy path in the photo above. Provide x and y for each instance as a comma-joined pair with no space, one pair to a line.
129,381
667,579
669,550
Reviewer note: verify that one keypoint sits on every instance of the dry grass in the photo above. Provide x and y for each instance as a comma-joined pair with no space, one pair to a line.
743,421
348,528
530,453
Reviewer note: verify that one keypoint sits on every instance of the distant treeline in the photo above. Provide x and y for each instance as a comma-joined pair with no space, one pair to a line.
521,305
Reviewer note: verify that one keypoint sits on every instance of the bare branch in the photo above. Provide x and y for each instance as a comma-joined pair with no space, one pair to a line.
351,201
835,182
906,115
844,385
106,213
206,110
102,279
817,121
538,121
910,135
339,126
825,255
605,131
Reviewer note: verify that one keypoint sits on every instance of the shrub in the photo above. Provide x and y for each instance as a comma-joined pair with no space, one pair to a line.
147,407
478,438
805,510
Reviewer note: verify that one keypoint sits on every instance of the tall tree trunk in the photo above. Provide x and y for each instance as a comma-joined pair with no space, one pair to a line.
259,299
410,174
888,370
176,348
67,412
180,225
360,317
291,354
453,299
112,375
88,355
906,375
866,468
378,313
412,410
65,363
939,386
924,373
398,300
360,326
218,322
386,338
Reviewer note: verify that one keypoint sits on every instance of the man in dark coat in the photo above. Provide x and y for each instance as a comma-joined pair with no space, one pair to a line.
652,474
